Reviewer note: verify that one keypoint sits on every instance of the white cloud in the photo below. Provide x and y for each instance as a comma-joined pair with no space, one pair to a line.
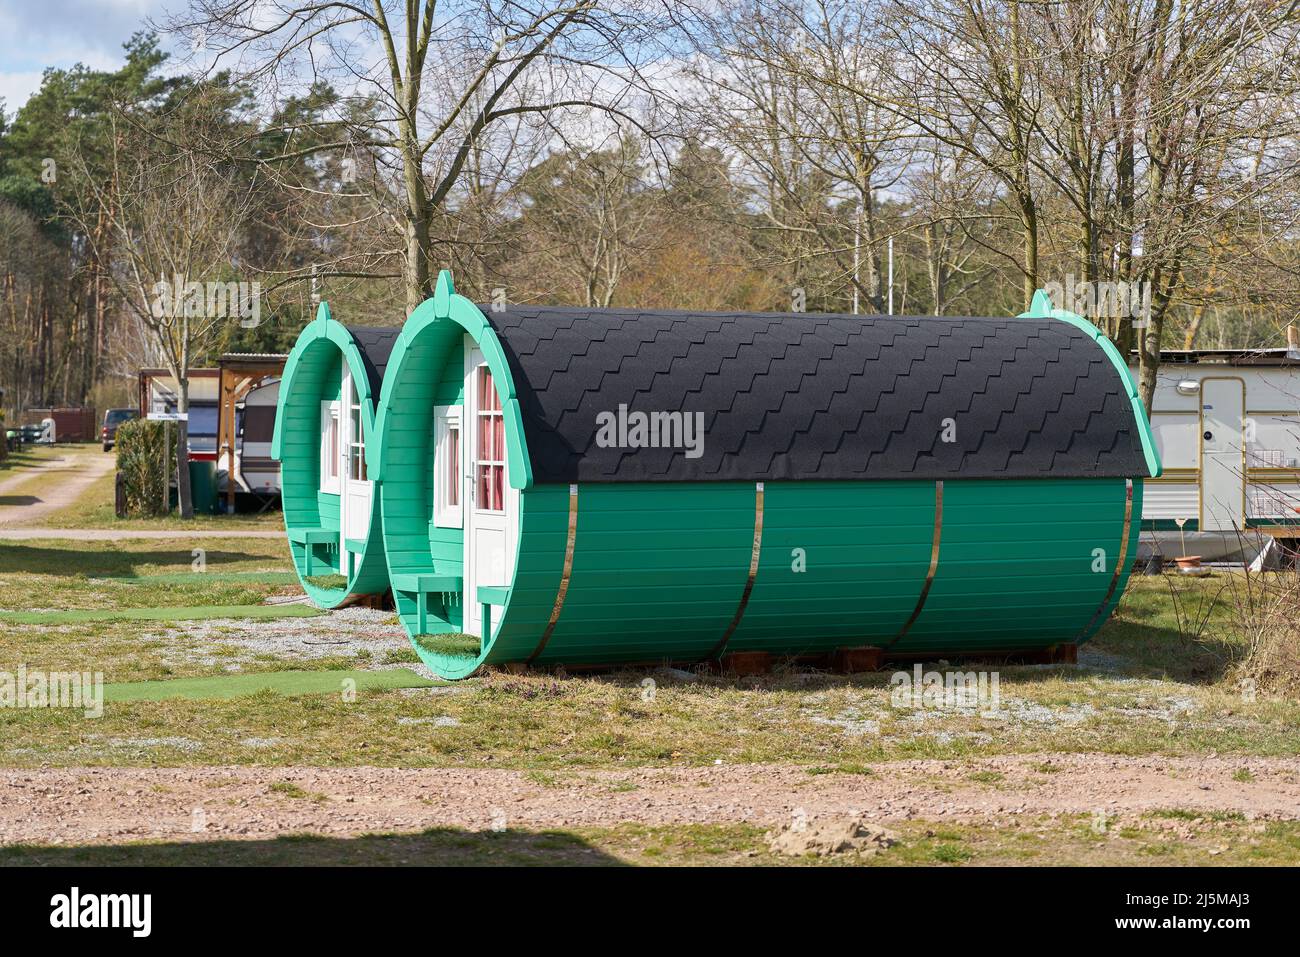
16,87
62,33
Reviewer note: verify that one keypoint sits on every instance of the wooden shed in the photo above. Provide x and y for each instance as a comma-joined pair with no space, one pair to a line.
324,423
601,486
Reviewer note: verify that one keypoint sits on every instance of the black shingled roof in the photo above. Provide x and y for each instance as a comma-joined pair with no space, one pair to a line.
809,396
376,344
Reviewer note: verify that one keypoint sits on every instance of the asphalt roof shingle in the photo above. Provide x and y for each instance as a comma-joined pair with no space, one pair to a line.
376,344
809,396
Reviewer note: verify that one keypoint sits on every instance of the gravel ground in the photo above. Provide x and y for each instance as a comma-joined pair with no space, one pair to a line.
112,805
345,632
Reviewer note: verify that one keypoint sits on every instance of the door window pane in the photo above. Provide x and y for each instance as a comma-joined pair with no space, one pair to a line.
452,476
490,445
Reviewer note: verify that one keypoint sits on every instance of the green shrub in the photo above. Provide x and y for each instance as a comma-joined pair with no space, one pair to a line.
142,459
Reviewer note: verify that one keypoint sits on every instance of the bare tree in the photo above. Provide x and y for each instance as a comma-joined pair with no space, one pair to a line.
181,214
781,84
438,75
587,219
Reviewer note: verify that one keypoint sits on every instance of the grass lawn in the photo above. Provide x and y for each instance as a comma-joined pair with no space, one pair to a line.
94,509
132,573
1151,684
1226,841
1143,688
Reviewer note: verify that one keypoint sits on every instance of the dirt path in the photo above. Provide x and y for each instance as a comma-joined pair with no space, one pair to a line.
119,534
111,805
55,485
22,475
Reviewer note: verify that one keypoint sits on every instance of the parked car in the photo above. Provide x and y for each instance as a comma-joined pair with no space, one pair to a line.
112,419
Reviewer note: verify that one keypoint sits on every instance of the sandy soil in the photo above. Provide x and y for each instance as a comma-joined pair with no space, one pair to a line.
94,805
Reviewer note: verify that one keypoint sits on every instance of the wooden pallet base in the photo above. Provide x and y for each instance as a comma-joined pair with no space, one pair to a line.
382,601
850,661
855,660
1063,654
746,663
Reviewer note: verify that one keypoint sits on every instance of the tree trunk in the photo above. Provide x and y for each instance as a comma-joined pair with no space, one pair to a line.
415,264
184,494
1029,224
1149,351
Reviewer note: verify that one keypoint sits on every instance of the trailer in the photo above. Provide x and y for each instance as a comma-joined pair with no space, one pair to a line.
158,395
1227,423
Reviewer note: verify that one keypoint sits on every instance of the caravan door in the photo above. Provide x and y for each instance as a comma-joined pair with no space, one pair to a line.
1223,455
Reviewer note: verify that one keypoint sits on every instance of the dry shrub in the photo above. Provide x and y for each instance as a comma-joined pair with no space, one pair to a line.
1271,629
1266,616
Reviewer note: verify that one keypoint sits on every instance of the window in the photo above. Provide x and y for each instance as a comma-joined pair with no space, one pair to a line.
329,447
447,511
490,463
356,442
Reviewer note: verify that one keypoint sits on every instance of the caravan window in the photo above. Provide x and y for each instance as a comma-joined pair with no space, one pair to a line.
203,428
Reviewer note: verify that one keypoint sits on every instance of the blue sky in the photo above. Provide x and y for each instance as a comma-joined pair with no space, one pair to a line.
35,34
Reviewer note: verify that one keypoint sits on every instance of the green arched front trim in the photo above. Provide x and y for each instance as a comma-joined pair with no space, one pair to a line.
1041,308
446,306
296,445
426,357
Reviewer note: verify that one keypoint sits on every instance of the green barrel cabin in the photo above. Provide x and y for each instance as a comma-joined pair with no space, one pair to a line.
323,425
593,487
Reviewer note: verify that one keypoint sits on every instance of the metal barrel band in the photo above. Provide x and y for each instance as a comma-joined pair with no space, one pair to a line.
1119,561
755,550
565,575
934,566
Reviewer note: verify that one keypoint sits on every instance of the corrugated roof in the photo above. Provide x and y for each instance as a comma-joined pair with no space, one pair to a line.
806,396
1246,357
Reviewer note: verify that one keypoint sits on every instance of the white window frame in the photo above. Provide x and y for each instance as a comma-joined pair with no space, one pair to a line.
330,464
479,459
445,419
356,451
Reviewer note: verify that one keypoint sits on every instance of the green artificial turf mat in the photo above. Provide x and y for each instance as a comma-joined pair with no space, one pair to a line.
177,613
185,578
281,682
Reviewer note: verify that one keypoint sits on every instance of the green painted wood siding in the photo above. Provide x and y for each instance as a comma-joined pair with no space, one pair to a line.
313,374
659,569
432,374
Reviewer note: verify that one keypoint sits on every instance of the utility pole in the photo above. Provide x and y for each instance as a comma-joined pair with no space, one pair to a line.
891,275
857,252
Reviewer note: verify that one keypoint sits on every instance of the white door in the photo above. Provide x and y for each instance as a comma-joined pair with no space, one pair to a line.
354,503
492,506
1223,410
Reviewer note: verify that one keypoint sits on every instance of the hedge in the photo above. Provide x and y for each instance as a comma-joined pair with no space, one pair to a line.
142,459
